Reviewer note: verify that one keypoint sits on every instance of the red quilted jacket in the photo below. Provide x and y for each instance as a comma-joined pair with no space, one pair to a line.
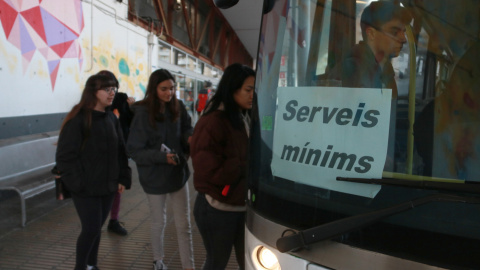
219,155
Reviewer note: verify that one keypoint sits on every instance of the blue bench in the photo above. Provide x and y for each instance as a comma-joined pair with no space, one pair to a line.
25,164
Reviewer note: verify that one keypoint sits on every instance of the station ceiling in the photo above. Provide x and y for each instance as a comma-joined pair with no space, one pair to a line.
245,18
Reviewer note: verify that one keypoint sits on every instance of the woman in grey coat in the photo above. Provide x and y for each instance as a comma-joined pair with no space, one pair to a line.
158,143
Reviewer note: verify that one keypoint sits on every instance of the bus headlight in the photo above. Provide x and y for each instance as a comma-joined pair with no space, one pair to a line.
265,259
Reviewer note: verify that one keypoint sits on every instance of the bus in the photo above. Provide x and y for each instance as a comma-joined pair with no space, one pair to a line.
345,177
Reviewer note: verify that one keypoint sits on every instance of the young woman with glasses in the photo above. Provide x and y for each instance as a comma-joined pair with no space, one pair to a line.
92,160
121,108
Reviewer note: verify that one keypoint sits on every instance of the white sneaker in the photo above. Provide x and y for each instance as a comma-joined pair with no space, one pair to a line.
158,265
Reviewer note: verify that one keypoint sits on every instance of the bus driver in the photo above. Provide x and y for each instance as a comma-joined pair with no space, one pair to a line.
368,64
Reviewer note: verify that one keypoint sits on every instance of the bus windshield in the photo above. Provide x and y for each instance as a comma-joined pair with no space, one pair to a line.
366,105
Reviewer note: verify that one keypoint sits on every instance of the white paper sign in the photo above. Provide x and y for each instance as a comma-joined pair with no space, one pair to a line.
322,133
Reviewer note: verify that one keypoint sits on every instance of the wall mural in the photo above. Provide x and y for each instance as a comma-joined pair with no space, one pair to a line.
128,65
51,27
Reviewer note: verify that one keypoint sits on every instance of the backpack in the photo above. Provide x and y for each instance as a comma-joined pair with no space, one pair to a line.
202,100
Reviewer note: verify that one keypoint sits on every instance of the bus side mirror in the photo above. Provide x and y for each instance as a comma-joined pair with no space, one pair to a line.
268,6
224,4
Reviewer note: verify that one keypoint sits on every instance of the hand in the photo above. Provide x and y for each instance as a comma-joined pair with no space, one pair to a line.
171,160
189,139
121,188
130,100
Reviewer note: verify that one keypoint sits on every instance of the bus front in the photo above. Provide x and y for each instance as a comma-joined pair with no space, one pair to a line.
361,157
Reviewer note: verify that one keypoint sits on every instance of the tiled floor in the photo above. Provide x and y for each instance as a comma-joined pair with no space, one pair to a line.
48,240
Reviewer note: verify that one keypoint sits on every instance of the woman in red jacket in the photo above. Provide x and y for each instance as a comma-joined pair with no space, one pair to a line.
219,154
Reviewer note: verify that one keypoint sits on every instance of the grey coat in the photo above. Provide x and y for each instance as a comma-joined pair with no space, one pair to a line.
144,143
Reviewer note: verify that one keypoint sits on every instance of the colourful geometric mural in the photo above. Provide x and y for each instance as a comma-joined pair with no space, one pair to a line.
128,64
51,27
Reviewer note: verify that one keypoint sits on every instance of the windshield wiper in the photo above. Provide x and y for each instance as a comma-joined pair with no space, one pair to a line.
470,187
302,239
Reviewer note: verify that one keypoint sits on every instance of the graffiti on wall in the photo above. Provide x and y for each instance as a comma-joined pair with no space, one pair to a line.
50,27
128,65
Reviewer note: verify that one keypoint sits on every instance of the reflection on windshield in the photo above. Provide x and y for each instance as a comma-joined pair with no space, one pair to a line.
433,131
444,130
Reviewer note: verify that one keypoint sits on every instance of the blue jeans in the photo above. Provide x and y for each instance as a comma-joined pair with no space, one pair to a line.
220,231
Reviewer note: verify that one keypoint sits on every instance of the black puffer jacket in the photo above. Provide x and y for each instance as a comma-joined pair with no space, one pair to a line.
93,163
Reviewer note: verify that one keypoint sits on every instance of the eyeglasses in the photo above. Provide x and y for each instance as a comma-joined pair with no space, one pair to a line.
110,90
395,33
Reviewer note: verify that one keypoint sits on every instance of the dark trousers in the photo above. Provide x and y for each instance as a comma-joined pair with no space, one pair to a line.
115,206
220,231
92,211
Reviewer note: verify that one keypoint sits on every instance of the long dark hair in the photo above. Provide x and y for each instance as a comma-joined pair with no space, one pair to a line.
156,108
89,99
109,74
232,80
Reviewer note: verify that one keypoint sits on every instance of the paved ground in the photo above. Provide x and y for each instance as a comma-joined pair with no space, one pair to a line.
48,239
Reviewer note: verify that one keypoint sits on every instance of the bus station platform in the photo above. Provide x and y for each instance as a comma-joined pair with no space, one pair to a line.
49,237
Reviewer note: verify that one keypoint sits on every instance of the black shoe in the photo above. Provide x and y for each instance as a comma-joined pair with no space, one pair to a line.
115,227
